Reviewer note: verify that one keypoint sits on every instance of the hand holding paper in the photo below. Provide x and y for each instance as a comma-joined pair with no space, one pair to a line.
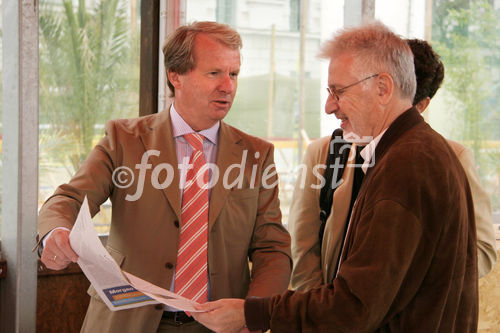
118,289
57,252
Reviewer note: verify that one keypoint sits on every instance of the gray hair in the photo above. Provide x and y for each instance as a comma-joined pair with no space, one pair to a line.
375,49
178,49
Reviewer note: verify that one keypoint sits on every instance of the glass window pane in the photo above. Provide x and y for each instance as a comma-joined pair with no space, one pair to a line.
267,101
89,73
465,109
465,34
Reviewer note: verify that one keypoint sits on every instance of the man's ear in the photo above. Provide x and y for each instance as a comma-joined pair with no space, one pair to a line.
423,104
174,78
385,87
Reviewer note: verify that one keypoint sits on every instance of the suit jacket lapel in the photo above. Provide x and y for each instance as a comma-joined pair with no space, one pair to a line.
229,152
158,136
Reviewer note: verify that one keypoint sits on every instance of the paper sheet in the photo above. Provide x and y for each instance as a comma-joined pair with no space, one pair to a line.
118,289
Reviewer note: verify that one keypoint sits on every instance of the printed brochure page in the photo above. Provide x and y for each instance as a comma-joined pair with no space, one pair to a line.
118,289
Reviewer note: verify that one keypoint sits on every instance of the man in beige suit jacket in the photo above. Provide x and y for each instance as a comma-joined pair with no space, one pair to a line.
244,219
314,264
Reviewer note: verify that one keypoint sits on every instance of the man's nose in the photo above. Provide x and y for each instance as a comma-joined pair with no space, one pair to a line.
331,105
227,84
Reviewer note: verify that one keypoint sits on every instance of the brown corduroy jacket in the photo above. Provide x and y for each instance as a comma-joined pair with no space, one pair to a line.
409,263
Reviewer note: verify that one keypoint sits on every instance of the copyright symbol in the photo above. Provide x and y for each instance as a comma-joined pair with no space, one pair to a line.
123,177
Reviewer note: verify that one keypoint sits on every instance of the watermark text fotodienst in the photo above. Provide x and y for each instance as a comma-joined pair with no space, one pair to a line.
124,177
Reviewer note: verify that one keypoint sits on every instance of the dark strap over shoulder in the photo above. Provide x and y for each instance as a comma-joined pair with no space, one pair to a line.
336,160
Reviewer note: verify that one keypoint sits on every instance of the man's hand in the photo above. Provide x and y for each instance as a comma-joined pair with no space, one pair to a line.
57,252
222,316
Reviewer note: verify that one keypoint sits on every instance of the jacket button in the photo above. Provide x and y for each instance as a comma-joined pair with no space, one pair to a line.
159,307
169,265
176,223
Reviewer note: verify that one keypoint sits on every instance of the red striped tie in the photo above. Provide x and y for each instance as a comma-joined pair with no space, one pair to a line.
191,269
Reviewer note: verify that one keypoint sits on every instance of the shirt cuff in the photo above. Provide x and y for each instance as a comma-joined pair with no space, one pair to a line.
257,315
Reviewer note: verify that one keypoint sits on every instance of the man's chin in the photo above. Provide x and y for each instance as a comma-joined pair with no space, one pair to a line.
218,114
220,110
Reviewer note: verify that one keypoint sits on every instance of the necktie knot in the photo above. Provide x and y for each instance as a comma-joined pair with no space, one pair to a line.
195,140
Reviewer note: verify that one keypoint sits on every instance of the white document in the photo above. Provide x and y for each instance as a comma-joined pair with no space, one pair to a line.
118,289
162,295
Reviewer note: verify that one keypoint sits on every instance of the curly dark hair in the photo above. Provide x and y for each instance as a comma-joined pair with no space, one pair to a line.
429,69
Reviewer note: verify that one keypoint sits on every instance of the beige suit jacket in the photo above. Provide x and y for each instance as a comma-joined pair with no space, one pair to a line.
486,247
244,220
313,265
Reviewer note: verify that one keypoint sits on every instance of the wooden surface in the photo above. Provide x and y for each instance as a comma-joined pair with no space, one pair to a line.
3,271
3,268
62,299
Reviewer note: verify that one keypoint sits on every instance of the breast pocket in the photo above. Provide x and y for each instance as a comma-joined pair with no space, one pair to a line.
238,216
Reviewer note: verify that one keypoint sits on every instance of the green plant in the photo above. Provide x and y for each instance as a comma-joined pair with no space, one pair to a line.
467,40
88,73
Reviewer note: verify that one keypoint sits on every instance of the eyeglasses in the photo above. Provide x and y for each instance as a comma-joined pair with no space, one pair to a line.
335,93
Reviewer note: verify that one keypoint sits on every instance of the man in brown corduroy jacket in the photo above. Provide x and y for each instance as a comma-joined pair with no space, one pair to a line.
409,259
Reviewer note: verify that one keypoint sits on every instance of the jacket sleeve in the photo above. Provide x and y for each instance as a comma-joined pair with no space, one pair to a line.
364,288
304,224
269,250
486,249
